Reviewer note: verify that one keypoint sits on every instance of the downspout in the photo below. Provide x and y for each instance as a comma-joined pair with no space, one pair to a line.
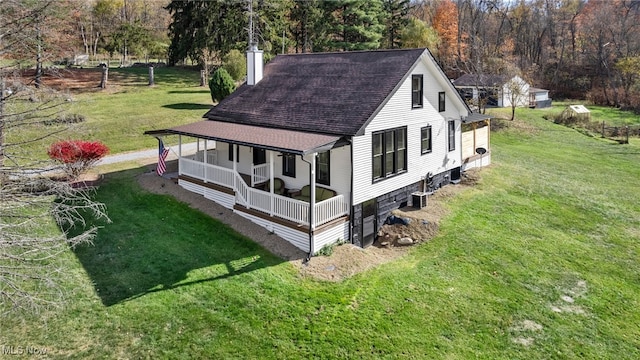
351,219
312,202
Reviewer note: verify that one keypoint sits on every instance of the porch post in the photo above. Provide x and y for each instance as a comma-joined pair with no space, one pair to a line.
234,152
180,146
204,153
197,145
312,201
271,181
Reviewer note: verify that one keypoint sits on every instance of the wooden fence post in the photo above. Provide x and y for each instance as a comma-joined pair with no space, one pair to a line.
627,128
105,76
151,77
603,129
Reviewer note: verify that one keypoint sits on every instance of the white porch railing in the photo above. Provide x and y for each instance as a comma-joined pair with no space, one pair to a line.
330,209
212,156
259,173
274,205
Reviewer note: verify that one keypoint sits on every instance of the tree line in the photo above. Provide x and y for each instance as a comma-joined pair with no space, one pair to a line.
576,48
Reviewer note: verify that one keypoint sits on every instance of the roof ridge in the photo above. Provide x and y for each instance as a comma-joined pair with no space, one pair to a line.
351,52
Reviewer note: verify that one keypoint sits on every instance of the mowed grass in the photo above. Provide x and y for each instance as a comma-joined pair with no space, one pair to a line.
540,260
119,118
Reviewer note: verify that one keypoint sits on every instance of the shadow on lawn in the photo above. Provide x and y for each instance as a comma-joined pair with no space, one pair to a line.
187,106
156,243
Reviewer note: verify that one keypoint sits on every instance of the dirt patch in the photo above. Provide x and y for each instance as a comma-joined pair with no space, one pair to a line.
346,260
79,80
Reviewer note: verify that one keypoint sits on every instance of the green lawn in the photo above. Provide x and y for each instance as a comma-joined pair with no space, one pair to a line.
540,260
121,114
119,119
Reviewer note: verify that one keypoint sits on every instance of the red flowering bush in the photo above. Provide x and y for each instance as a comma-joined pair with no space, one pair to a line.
77,156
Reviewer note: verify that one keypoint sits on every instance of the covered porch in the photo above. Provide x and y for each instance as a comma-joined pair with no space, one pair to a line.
253,170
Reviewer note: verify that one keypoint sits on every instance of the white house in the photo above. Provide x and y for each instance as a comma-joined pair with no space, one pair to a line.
501,90
320,147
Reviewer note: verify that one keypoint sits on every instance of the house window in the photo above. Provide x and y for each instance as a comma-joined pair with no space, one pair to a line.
425,139
289,165
389,153
416,91
452,135
231,153
323,168
259,156
441,101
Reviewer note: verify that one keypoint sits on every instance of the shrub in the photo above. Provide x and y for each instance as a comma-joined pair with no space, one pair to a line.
77,156
235,64
66,119
328,249
221,85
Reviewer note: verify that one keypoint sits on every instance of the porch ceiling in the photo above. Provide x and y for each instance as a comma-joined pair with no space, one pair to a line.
282,140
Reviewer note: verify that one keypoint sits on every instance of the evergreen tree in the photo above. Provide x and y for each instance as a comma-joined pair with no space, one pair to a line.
396,19
305,24
221,85
202,28
353,25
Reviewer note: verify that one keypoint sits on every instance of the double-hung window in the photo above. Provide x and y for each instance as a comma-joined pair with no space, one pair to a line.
425,139
289,165
323,168
452,134
389,153
416,91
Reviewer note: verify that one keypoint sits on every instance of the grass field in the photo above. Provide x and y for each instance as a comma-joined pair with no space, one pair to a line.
119,119
540,260
119,115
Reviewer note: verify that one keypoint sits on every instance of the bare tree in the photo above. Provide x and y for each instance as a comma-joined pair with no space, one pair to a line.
516,92
40,217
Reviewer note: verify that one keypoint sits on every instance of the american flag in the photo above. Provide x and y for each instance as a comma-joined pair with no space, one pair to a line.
162,154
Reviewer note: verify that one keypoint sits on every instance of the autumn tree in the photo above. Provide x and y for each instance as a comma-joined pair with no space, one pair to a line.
452,45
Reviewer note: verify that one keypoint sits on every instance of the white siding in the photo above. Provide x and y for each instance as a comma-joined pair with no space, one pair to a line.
224,199
192,187
340,171
398,112
299,239
330,236
542,96
245,156
221,198
523,98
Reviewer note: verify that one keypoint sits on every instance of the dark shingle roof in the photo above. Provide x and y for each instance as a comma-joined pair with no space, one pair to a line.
484,80
330,93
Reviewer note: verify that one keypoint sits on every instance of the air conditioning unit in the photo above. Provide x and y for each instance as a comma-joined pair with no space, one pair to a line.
419,199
